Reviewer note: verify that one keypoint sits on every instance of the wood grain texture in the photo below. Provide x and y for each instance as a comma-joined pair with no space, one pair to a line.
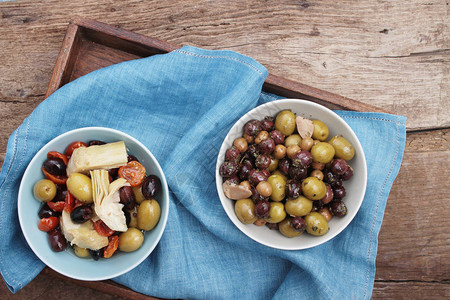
391,54
90,45
414,238
410,290
398,60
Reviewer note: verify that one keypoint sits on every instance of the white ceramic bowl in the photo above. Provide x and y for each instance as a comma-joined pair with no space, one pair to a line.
355,187
66,262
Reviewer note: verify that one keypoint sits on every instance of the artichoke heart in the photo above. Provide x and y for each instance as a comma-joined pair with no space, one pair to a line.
107,156
107,204
82,235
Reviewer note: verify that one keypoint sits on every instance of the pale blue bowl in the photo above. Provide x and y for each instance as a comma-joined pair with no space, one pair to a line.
66,262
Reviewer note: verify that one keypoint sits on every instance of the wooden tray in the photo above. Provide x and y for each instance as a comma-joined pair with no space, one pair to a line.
90,45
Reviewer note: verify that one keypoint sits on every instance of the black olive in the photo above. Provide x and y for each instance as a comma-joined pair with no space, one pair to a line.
96,142
61,191
338,208
132,158
46,212
96,254
151,186
127,216
57,240
55,166
127,197
81,214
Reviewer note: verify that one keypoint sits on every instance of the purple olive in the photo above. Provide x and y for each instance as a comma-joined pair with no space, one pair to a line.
244,169
262,209
262,161
227,169
338,166
347,174
339,192
127,197
266,173
256,176
252,127
298,224
318,204
329,177
293,189
277,137
302,159
252,152
284,165
266,146
272,226
152,184
233,154
298,173
268,124
337,183
57,240
256,196
232,180
338,208
328,195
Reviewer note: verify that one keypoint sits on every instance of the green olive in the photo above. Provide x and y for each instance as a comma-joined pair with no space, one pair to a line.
320,130
137,190
80,186
245,211
276,213
44,190
299,207
313,188
148,214
278,184
316,224
287,230
273,164
293,139
322,152
131,240
278,172
344,149
80,252
285,122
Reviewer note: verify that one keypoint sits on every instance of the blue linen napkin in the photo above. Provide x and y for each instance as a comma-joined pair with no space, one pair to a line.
181,106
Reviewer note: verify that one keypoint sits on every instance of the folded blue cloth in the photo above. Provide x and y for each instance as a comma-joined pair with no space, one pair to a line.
181,106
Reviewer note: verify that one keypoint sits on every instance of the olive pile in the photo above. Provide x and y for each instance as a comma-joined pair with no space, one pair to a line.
292,174
74,195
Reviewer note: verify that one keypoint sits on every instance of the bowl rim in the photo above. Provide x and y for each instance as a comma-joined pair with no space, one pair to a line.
46,259
319,240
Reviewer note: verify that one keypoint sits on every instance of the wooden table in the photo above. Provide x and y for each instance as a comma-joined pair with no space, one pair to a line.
391,54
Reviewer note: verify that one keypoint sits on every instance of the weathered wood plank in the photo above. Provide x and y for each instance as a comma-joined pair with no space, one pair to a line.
398,60
414,238
45,286
410,290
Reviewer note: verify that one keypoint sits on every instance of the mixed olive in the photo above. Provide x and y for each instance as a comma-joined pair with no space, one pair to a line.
72,196
284,172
